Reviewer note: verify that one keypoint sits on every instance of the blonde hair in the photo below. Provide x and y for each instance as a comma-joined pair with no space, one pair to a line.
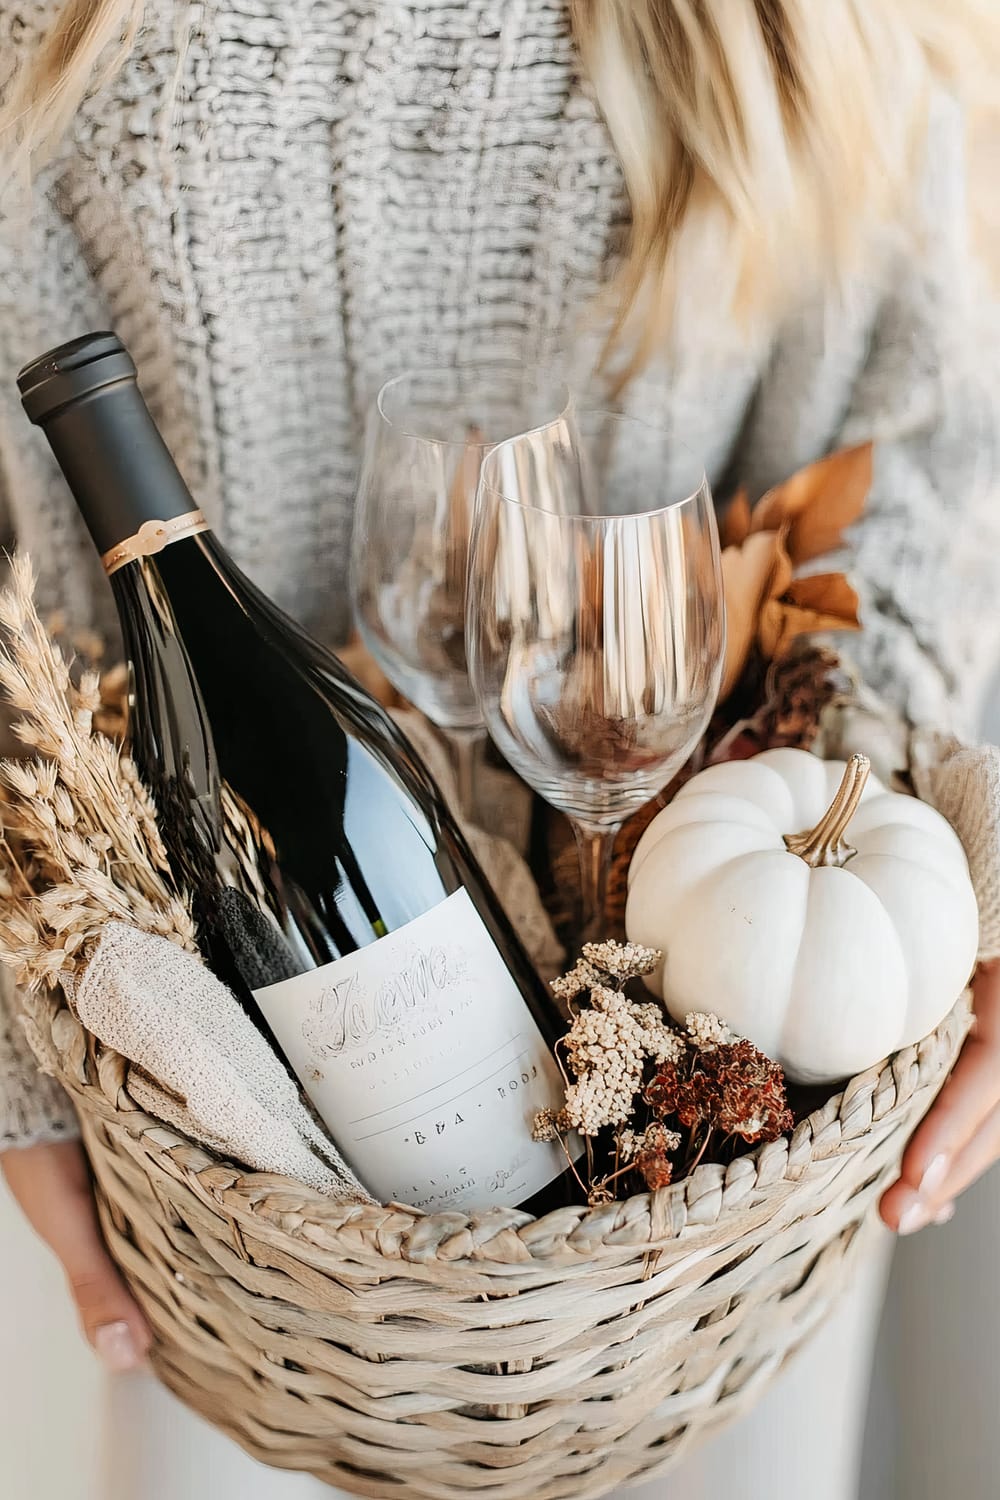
758,138
761,138
86,47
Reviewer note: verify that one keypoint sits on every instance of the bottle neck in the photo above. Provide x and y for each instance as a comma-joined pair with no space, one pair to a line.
129,490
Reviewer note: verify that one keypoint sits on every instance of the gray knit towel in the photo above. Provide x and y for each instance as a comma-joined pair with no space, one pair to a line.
199,1063
963,783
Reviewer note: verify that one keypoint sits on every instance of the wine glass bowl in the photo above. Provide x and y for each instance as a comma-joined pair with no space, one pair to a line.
596,627
427,437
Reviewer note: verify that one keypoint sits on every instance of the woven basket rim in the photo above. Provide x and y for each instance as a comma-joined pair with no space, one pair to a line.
507,1237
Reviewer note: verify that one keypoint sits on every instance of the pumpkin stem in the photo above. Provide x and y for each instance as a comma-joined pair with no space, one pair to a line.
825,844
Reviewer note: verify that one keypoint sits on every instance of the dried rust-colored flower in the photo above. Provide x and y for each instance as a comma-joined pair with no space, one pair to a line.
657,1170
663,1093
752,1089
733,1088
652,1159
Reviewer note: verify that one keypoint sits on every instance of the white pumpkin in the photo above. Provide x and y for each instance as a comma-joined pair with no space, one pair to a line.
828,956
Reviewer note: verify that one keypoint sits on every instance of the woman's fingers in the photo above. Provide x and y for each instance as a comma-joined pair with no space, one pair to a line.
970,1164
928,1162
960,1137
52,1185
907,1211
111,1318
963,1104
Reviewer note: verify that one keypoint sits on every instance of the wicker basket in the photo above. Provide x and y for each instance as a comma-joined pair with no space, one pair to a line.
444,1357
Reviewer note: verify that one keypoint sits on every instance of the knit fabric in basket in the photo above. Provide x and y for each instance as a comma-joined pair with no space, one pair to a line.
963,783
200,1064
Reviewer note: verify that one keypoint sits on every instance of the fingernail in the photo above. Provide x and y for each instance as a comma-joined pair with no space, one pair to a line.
915,1217
934,1177
945,1215
116,1347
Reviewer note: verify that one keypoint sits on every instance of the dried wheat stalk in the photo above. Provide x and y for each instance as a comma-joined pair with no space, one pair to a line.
80,842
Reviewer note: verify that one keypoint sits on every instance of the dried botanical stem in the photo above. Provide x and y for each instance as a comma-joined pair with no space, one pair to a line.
701,1150
81,843
14,866
618,1172
572,1163
143,810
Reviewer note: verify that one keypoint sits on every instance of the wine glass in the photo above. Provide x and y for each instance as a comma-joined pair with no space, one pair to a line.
427,436
595,622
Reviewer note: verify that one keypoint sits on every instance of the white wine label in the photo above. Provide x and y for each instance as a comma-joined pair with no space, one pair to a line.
426,1065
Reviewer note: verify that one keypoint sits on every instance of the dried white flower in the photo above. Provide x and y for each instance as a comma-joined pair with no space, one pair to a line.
661,1042
658,1138
706,1030
579,979
593,1102
606,1048
621,961
607,1037
545,1126
655,1137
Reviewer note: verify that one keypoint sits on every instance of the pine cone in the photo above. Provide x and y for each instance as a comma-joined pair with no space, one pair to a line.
798,688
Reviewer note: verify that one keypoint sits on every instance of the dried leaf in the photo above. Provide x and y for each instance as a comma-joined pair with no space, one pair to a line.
818,503
784,571
825,601
736,521
827,594
751,575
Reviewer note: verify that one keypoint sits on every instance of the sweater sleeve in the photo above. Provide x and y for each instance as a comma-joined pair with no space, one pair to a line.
925,558
33,1107
925,389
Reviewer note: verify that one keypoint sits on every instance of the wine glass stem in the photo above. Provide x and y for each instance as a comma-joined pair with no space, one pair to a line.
595,845
465,747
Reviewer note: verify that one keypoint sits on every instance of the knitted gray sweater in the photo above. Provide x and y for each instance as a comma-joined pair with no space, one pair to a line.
293,202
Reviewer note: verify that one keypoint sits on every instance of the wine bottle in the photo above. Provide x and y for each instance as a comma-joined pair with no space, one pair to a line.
333,890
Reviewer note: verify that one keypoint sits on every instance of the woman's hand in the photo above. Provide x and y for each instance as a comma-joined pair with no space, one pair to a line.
52,1185
960,1137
